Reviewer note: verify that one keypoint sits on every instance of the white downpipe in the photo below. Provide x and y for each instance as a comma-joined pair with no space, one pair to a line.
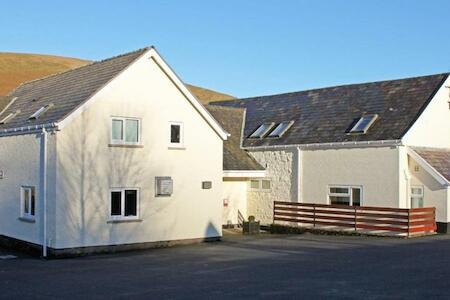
44,189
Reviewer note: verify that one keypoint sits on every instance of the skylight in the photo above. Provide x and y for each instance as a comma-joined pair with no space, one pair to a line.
364,124
262,130
40,112
9,117
281,129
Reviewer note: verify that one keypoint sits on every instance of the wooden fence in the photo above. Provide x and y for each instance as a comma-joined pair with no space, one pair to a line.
376,220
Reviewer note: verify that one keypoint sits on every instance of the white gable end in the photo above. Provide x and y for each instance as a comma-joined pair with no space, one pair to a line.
432,128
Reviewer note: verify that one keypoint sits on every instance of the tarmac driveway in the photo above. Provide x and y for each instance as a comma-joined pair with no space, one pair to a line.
268,266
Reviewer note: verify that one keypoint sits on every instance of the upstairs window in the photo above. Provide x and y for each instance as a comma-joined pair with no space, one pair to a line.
9,117
40,112
281,129
262,130
125,131
176,134
260,185
28,202
363,124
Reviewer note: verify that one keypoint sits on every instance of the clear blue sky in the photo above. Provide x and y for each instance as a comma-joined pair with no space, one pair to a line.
245,48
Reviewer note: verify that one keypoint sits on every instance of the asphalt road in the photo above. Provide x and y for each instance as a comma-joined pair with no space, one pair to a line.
269,266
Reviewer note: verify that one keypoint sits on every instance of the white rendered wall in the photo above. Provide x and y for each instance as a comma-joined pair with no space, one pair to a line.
432,129
235,192
375,169
87,167
435,195
282,169
20,162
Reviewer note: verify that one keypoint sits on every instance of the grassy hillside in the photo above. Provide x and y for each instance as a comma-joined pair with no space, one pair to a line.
16,68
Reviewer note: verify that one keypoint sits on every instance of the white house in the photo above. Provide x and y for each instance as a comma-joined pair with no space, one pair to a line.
117,153
384,144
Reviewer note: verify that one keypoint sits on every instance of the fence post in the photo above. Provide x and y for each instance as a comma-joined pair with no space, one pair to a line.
273,213
409,221
314,215
356,227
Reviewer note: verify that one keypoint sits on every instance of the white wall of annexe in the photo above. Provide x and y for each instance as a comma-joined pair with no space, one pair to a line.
385,174
88,166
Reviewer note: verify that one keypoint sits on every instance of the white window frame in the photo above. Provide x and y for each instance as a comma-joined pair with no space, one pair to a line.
421,188
373,118
23,214
181,143
253,135
260,185
122,141
288,125
348,194
122,216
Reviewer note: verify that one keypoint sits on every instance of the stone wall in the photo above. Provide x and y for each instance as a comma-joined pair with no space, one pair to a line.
282,169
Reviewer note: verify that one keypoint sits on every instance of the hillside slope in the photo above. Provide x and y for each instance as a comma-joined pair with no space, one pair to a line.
16,68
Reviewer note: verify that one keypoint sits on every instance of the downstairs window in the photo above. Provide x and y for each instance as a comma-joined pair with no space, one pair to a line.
28,202
124,203
345,195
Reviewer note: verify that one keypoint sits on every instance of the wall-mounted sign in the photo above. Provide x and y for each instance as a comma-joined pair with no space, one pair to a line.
164,186
206,185
225,202
2,174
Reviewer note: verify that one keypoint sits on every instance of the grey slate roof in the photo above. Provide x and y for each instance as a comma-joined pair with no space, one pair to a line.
439,159
4,100
325,115
66,91
234,158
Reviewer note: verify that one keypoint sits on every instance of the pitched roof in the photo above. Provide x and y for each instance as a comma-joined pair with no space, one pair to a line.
234,157
439,159
325,115
66,91
4,101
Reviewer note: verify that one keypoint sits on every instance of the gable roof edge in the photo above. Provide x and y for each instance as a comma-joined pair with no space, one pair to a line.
424,106
83,106
429,168
165,67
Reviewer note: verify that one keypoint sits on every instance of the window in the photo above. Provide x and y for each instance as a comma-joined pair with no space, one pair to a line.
176,134
260,185
125,131
416,196
124,203
28,202
345,195
363,124
281,129
262,130
40,112
9,117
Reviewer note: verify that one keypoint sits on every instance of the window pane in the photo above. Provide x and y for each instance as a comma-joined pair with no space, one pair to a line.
26,203
130,203
116,207
117,133
356,197
131,131
417,202
416,191
175,133
254,184
32,202
340,200
265,184
338,190
280,129
262,130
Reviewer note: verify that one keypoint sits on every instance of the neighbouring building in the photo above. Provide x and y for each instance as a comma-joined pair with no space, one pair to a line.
117,153
383,144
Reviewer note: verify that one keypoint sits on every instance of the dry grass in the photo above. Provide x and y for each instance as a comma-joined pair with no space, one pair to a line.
16,68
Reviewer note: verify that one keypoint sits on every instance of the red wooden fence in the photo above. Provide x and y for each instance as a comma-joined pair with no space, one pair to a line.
414,221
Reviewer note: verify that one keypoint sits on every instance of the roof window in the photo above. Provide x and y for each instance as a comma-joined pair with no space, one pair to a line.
9,117
281,129
40,112
363,124
262,130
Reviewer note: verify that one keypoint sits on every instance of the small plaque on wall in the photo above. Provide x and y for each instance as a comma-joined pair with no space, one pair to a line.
206,185
2,174
164,186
